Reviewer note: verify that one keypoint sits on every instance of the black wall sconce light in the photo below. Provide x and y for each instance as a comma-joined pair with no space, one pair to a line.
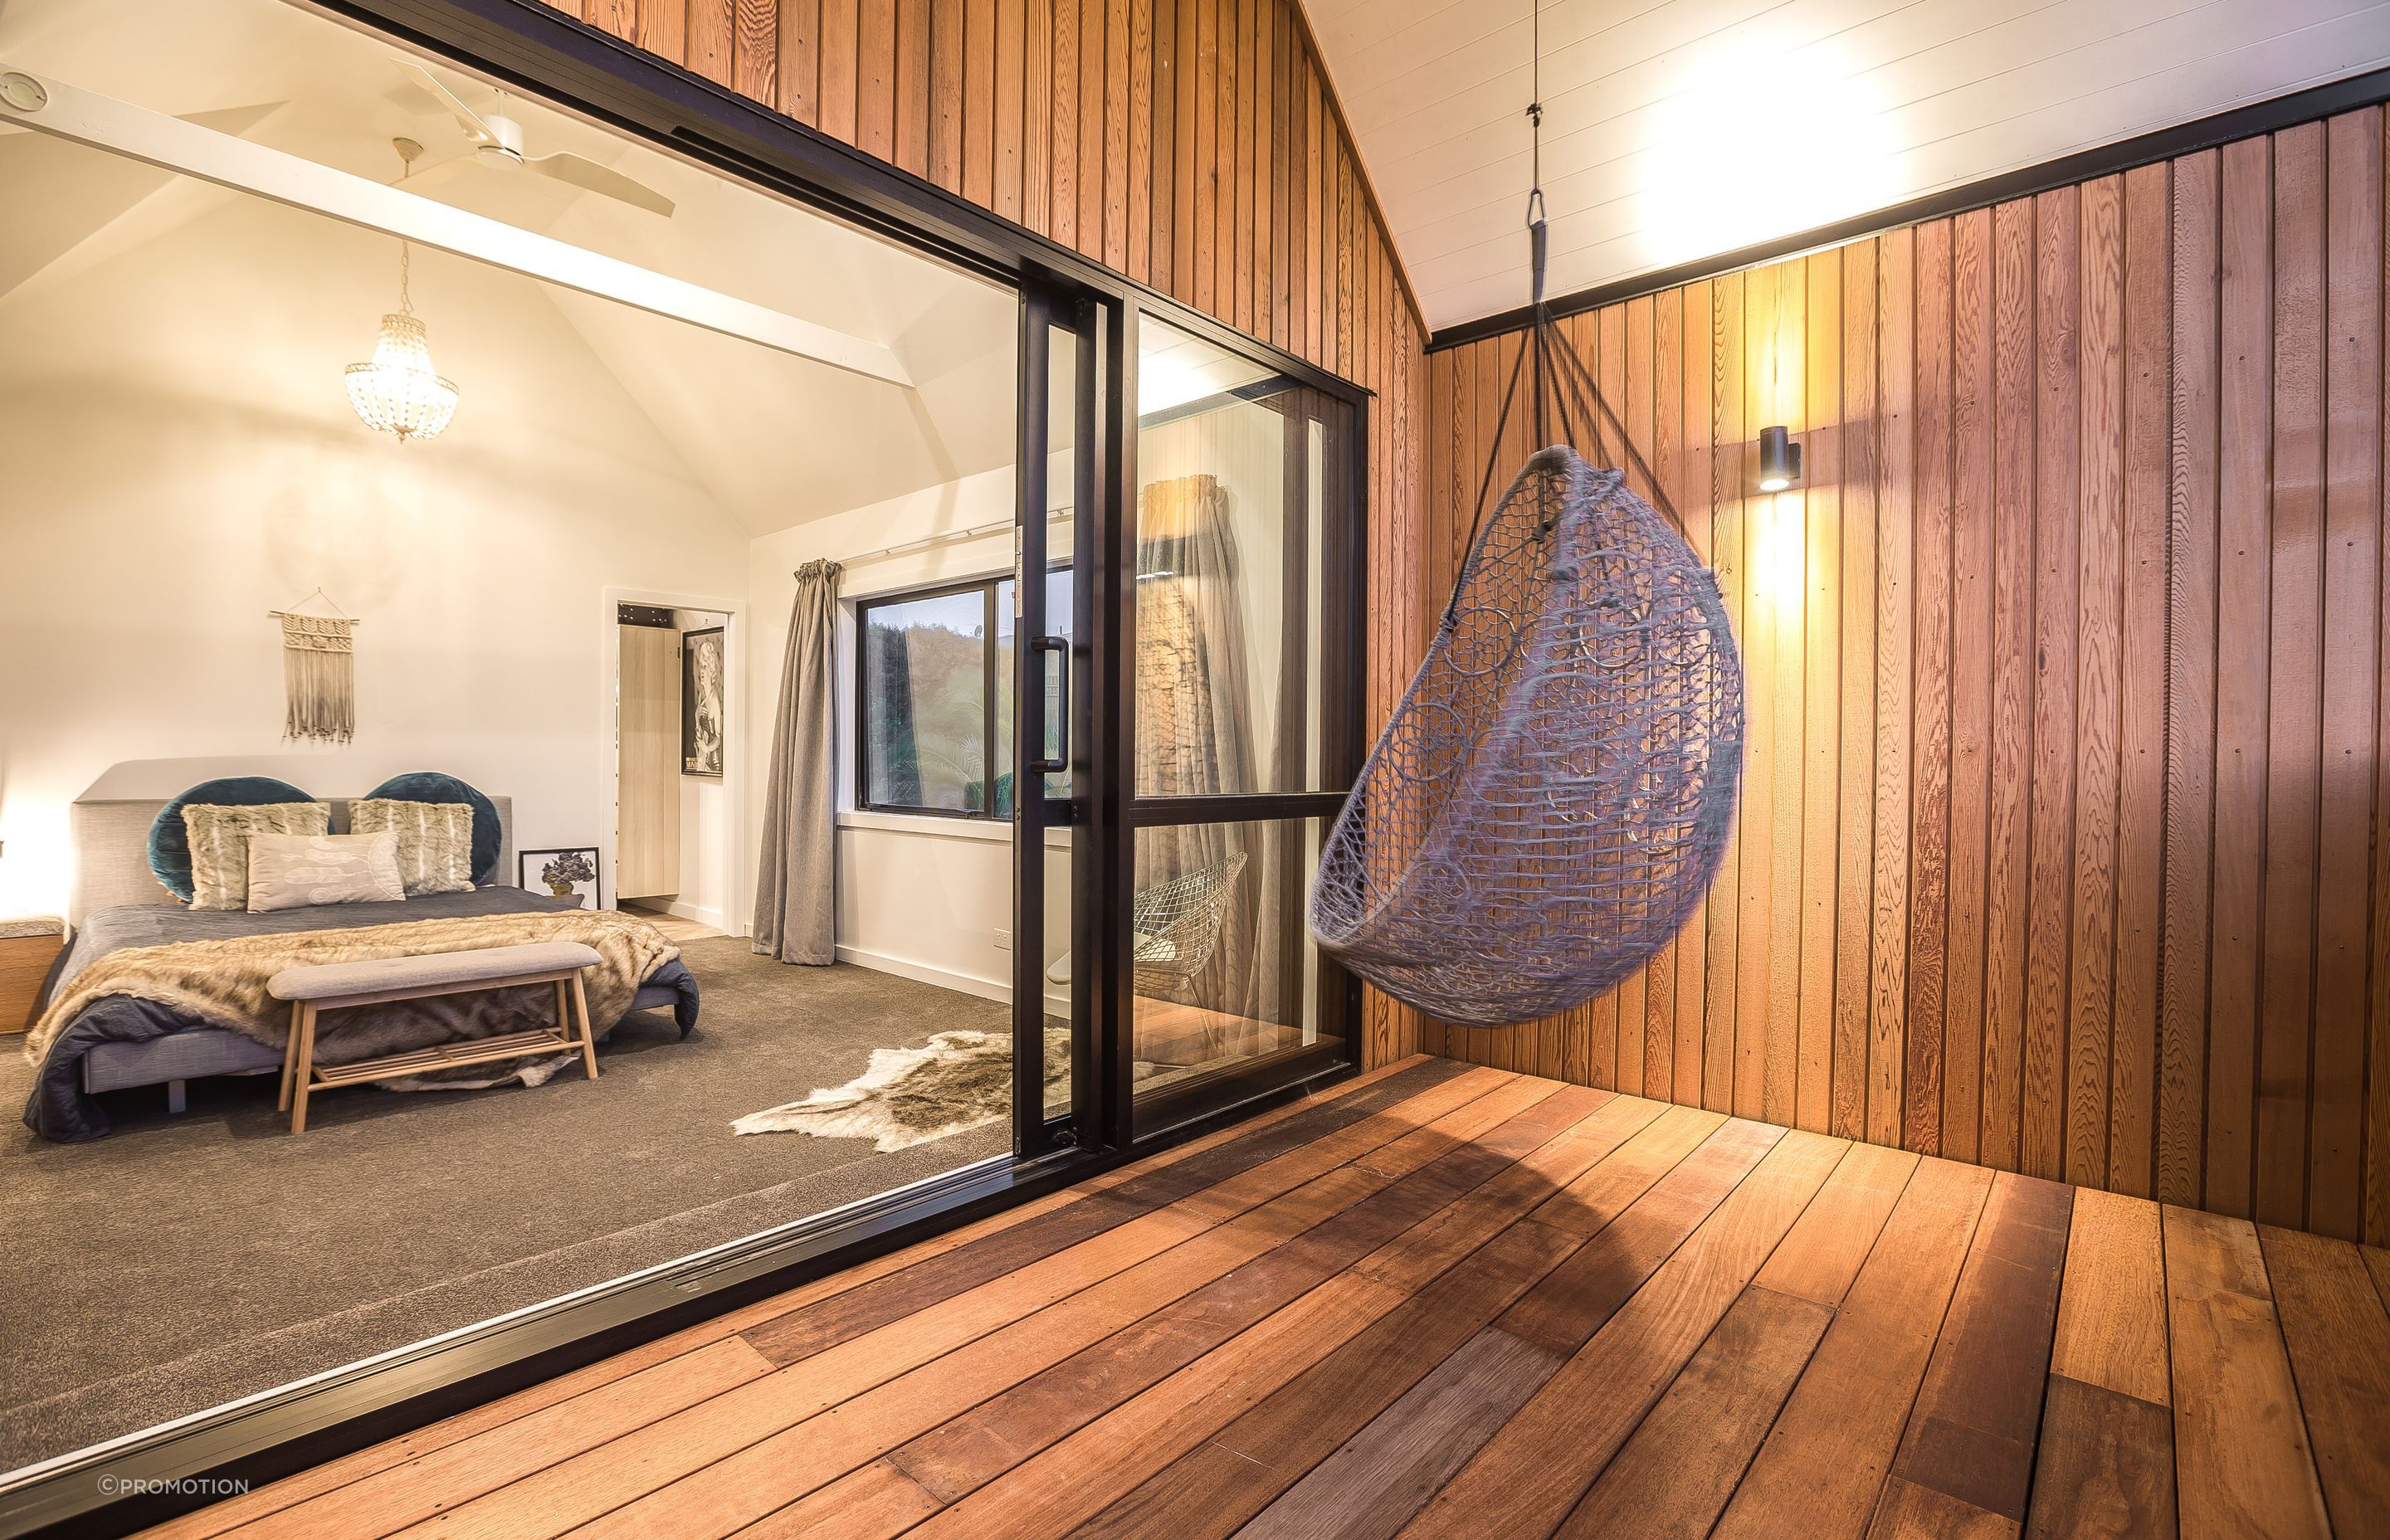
1780,459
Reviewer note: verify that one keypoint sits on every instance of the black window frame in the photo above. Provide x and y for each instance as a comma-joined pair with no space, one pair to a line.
991,676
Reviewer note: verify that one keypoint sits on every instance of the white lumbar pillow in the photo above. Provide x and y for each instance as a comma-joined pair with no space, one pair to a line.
288,871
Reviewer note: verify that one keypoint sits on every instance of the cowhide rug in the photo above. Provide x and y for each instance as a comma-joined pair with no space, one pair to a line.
955,1082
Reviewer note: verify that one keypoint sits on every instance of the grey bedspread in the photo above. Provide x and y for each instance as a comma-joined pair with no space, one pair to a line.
59,1108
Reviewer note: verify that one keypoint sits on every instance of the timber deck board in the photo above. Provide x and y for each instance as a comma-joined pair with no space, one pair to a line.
1449,1301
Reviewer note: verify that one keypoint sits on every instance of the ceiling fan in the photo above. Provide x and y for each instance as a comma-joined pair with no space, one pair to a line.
498,142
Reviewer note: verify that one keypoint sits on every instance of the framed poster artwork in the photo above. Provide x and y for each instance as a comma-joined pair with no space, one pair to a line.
568,873
702,685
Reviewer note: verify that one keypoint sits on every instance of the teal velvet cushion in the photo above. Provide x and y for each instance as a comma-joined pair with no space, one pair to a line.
170,841
430,786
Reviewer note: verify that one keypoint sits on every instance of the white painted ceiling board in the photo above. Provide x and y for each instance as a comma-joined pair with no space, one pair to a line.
1679,129
776,439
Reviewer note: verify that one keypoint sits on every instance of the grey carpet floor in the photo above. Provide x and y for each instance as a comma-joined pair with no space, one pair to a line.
186,1260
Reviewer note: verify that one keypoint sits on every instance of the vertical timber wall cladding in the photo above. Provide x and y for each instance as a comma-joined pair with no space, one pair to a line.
2061,847
1192,145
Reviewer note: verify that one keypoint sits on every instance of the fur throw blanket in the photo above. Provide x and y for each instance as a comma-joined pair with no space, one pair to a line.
222,982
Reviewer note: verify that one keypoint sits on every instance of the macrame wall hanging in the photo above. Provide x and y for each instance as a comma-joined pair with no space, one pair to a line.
319,673
1550,798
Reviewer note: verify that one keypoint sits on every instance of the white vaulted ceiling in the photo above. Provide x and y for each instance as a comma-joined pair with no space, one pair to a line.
1679,129
777,439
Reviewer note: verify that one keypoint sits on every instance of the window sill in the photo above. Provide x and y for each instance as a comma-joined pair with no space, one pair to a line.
988,829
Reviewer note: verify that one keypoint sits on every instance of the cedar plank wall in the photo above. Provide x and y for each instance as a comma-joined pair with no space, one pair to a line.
1193,145
2060,846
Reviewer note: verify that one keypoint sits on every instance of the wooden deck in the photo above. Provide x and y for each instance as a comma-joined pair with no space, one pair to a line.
1457,1302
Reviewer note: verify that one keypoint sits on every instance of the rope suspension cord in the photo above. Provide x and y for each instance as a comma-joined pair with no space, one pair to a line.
1561,377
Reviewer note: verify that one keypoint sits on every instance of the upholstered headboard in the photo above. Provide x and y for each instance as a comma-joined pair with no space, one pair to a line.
111,851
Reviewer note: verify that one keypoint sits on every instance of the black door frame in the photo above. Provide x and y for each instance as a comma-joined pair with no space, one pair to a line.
149,1477
1052,310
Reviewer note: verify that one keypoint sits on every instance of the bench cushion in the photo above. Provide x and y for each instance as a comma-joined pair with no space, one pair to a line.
432,970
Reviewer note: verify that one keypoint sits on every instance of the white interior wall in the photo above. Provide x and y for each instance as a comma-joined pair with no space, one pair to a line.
922,896
182,458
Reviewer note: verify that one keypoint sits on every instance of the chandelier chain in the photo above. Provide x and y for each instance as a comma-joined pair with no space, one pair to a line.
405,248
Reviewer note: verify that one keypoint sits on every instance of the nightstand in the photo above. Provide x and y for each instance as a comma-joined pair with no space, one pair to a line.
27,949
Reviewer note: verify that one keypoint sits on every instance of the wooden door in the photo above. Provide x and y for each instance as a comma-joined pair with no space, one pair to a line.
647,808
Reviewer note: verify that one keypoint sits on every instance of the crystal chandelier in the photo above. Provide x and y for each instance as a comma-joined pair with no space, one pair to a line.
399,391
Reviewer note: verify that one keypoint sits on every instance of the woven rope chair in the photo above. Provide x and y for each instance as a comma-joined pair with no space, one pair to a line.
1551,797
1178,923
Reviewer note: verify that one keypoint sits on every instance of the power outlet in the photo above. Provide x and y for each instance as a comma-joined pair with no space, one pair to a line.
1004,940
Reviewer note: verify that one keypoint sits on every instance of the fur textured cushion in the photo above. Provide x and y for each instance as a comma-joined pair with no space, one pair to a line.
435,841
430,786
287,871
218,838
170,849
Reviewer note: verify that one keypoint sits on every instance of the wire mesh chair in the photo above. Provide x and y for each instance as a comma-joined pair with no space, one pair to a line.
1551,799
1176,925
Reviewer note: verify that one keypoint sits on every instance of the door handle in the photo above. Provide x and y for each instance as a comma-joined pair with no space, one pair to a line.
1059,761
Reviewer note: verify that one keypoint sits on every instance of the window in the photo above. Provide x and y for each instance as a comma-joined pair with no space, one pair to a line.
934,693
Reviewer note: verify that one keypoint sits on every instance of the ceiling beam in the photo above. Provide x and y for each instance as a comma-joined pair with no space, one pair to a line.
67,111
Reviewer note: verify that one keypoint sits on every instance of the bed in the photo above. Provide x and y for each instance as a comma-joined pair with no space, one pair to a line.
120,1041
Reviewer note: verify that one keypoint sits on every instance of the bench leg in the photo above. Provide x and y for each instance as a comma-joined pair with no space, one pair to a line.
303,1068
588,1033
291,1054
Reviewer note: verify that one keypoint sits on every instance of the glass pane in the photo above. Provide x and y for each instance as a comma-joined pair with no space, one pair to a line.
1225,974
925,702
1059,961
1239,475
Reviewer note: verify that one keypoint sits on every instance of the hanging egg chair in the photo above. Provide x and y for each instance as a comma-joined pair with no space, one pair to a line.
1551,799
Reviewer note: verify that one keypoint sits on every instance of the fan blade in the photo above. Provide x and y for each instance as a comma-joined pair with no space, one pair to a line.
467,119
588,174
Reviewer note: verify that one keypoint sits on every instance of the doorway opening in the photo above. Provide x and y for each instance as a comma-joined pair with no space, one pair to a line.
282,328
678,731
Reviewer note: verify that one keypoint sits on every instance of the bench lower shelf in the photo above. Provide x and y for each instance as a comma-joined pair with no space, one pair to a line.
485,1050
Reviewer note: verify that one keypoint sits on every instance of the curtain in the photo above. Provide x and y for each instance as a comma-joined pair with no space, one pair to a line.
795,878
1194,732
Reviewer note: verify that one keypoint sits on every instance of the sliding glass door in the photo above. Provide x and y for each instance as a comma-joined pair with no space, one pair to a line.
1243,697
1181,635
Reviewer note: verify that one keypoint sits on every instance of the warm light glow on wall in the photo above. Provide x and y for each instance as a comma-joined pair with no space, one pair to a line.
36,866
1778,548
1759,143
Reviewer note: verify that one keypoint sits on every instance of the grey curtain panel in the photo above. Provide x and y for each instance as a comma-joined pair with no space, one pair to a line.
796,890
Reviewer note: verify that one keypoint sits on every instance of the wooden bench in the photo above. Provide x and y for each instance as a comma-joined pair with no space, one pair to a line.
341,986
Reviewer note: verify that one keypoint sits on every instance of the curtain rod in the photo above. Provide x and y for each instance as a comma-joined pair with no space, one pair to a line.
927,541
